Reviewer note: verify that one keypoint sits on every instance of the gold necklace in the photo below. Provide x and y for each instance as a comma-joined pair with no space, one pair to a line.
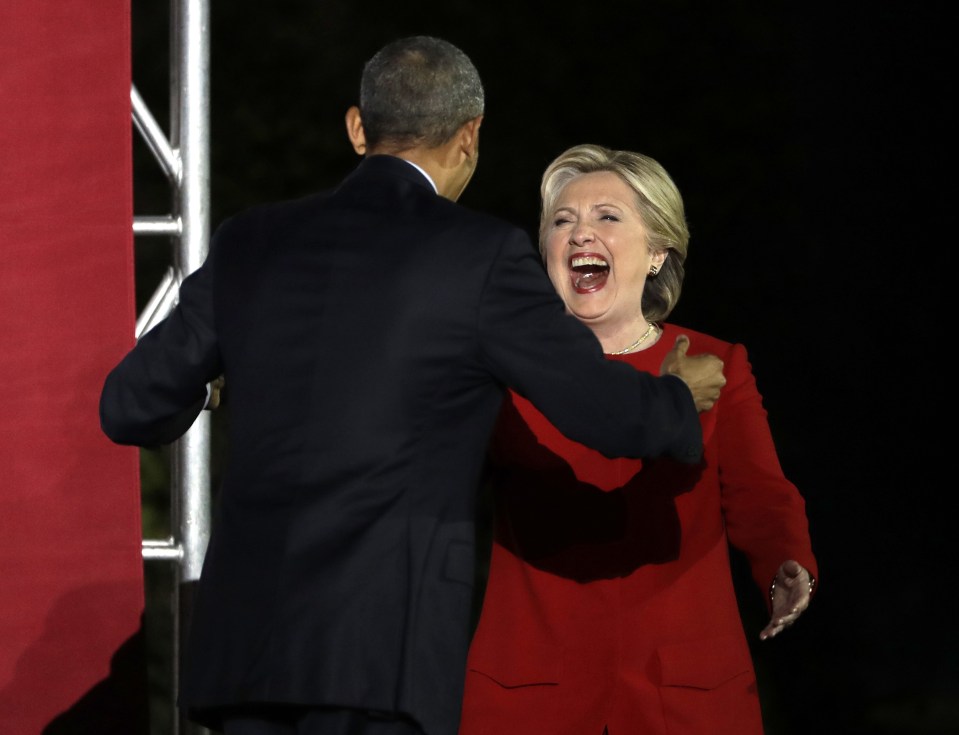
638,342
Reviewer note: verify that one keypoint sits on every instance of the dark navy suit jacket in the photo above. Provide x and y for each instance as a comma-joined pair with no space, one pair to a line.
367,336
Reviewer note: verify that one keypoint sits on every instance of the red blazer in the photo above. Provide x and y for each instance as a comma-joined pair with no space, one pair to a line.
610,601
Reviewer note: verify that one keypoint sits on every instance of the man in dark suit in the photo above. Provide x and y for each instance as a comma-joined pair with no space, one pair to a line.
367,335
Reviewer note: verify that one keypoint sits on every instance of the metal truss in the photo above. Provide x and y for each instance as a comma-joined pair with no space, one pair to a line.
184,158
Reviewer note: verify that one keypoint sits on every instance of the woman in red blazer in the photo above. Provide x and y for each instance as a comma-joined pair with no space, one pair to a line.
610,605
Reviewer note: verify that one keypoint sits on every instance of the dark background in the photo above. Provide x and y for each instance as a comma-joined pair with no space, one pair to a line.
809,142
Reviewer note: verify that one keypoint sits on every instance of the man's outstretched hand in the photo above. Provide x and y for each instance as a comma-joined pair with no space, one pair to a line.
702,373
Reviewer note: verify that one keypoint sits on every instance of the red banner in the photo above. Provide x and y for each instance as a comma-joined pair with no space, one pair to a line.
71,573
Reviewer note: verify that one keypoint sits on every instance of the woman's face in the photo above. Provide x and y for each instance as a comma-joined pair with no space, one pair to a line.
597,252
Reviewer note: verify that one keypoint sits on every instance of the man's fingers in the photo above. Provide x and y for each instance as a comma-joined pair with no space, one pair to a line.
681,345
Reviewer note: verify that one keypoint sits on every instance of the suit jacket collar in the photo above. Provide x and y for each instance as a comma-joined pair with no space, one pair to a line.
384,166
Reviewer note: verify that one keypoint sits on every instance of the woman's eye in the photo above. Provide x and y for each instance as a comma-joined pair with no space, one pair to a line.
560,221
610,217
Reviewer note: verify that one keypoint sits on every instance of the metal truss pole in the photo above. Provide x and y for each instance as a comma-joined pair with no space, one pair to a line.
185,160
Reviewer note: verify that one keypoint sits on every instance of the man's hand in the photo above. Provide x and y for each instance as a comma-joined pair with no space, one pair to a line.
702,373
789,596
216,388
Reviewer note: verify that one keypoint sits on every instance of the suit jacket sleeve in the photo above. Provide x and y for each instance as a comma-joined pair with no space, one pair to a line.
156,392
552,359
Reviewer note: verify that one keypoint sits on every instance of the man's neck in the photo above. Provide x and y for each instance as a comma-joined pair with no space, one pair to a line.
435,164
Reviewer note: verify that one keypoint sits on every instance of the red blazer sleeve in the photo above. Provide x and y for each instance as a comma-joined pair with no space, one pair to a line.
765,512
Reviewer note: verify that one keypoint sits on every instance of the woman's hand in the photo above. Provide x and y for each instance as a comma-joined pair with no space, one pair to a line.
789,594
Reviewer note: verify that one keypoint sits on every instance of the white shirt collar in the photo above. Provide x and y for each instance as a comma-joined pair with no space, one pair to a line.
428,177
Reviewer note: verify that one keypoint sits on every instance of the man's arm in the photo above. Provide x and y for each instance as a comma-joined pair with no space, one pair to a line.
155,393
555,361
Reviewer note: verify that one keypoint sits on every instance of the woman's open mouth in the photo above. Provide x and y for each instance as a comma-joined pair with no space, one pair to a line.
588,272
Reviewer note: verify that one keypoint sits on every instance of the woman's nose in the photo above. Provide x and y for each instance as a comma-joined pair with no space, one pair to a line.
581,234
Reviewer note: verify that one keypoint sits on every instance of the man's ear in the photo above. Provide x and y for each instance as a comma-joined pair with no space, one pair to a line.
354,130
469,136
